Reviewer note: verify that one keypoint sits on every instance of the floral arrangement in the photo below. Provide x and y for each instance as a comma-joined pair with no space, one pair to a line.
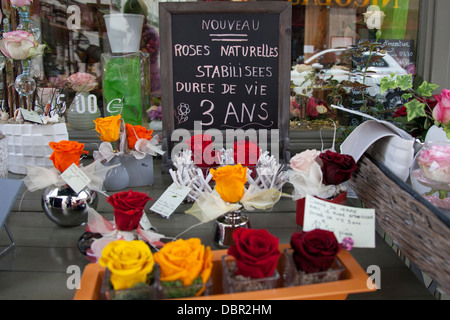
185,267
21,3
432,169
314,251
82,82
256,253
120,138
422,109
320,174
131,264
128,208
20,45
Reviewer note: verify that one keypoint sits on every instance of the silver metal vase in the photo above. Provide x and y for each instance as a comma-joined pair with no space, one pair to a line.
225,226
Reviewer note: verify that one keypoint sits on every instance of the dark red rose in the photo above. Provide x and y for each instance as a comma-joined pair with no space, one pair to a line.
202,150
314,251
400,112
128,208
246,153
336,168
256,252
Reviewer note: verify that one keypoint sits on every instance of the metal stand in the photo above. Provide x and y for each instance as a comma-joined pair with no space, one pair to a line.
10,238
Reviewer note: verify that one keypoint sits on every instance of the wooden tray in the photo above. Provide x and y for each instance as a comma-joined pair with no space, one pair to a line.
421,230
354,280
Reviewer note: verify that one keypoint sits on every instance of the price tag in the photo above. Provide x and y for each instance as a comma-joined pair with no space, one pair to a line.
170,200
75,178
145,223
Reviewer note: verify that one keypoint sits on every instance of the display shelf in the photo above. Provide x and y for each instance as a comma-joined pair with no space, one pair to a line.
420,229
354,280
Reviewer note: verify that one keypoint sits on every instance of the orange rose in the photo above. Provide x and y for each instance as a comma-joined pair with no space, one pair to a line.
108,127
184,260
230,182
65,153
134,133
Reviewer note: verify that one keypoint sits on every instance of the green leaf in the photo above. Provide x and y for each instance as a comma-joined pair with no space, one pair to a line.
415,109
426,89
405,82
407,96
387,83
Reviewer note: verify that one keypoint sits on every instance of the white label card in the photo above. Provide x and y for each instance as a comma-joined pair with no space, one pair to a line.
31,116
75,178
356,223
170,200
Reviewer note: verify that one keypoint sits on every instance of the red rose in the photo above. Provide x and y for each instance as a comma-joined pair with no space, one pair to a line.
400,112
336,167
202,150
246,153
314,251
128,208
256,252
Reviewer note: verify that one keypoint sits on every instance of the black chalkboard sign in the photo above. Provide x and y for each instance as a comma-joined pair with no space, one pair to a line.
225,65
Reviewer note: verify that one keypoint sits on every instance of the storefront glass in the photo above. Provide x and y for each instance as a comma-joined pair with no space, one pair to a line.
76,37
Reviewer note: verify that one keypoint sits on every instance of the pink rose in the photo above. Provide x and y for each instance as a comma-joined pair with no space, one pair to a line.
20,45
304,160
20,3
441,112
82,82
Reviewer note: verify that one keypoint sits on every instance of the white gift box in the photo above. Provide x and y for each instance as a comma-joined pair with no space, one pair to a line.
28,144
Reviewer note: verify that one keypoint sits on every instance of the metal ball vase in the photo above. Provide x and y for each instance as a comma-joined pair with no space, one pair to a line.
225,226
63,206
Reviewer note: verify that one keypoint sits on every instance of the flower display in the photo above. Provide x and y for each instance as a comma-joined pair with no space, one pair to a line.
108,127
320,174
134,133
374,17
186,262
82,82
230,182
128,208
65,153
155,113
422,109
315,250
130,262
203,154
256,253
246,153
435,162
20,45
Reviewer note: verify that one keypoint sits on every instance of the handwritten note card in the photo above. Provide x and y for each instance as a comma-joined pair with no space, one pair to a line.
344,221
75,178
170,200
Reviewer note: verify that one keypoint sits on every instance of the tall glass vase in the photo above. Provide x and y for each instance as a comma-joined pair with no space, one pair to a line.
25,84
25,24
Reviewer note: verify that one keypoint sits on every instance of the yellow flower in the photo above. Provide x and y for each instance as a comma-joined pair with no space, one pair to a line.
129,262
108,127
230,182
184,260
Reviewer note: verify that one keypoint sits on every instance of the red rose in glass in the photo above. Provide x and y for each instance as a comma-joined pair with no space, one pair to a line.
202,150
314,251
256,252
128,208
336,167
246,153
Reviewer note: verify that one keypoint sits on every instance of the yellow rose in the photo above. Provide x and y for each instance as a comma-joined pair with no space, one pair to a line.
184,260
129,262
230,182
108,127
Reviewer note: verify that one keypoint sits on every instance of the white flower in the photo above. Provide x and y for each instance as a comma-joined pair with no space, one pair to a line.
374,17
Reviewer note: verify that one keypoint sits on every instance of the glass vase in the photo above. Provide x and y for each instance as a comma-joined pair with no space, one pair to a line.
233,283
294,277
25,24
25,84
176,289
430,173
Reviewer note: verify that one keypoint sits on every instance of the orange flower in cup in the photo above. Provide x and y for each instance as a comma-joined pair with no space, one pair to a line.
65,153
109,128
134,133
230,182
